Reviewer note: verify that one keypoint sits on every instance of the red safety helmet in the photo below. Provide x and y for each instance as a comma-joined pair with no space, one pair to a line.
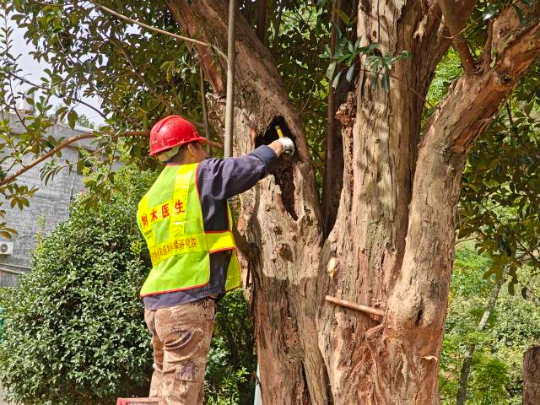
170,132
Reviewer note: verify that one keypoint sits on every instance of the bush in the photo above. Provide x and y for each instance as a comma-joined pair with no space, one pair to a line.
495,376
74,330
232,362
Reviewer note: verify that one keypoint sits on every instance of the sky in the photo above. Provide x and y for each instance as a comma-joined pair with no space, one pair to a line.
34,70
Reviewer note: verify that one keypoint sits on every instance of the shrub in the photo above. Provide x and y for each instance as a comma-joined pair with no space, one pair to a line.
232,362
74,330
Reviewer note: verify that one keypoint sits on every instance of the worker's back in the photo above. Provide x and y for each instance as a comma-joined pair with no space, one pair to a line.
171,220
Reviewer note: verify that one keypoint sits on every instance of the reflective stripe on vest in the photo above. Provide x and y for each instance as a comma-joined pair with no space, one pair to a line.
171,220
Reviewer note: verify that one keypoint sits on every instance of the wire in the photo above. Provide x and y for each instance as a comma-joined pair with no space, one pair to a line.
158,30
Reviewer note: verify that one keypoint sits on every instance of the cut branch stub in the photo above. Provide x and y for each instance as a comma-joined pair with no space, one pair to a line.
355,306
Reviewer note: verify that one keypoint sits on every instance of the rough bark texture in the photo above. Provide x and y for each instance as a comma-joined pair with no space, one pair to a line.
531,376
417,305
380,152
281,215
392,244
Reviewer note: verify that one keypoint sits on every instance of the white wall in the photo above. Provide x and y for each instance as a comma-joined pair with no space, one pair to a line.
50,204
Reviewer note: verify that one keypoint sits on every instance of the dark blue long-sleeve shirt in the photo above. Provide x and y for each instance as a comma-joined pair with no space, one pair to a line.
218,180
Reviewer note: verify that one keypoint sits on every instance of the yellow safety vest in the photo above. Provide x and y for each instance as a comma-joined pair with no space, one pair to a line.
171,220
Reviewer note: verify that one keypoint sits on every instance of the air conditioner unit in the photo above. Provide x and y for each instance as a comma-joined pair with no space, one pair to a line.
6,248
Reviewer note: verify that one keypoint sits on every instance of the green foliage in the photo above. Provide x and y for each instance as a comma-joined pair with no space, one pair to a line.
501,183
447,71
90,55
348,54
232,362
496,364
299,33
74,330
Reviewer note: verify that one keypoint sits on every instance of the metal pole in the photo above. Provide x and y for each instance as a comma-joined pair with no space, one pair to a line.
203,102
229,110
204,110
258,396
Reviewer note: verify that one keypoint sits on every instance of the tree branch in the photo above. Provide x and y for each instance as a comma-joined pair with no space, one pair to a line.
261,20
455,26
140,76
58,148
149,27
486,53
77,138
24,80
281,7
472,103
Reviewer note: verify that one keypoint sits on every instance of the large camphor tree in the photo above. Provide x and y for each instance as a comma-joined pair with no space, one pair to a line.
384,231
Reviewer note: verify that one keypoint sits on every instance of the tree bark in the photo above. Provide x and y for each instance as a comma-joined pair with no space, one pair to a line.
381,134
333,155
531,376
466,367
281,215
261,20
393,241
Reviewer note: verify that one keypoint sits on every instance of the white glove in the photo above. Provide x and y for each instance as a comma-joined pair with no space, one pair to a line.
288,145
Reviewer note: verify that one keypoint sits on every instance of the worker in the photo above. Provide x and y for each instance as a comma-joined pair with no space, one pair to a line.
186,220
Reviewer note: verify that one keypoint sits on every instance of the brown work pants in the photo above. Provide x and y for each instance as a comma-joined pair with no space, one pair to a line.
181,338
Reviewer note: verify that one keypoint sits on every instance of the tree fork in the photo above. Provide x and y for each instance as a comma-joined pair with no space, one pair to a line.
416,307
392,248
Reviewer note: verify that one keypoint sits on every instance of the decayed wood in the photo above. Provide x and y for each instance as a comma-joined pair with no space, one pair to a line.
353,305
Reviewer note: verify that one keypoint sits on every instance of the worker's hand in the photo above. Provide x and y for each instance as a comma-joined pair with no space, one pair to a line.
288,145
283,145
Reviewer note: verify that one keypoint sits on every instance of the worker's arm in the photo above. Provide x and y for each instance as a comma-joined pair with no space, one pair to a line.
220,179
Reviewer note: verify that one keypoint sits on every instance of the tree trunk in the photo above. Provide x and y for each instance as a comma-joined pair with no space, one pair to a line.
466,367
392,244
281,215
333,153
531,376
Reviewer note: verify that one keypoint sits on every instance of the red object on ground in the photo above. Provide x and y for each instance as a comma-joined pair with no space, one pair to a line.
137,401
170,132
